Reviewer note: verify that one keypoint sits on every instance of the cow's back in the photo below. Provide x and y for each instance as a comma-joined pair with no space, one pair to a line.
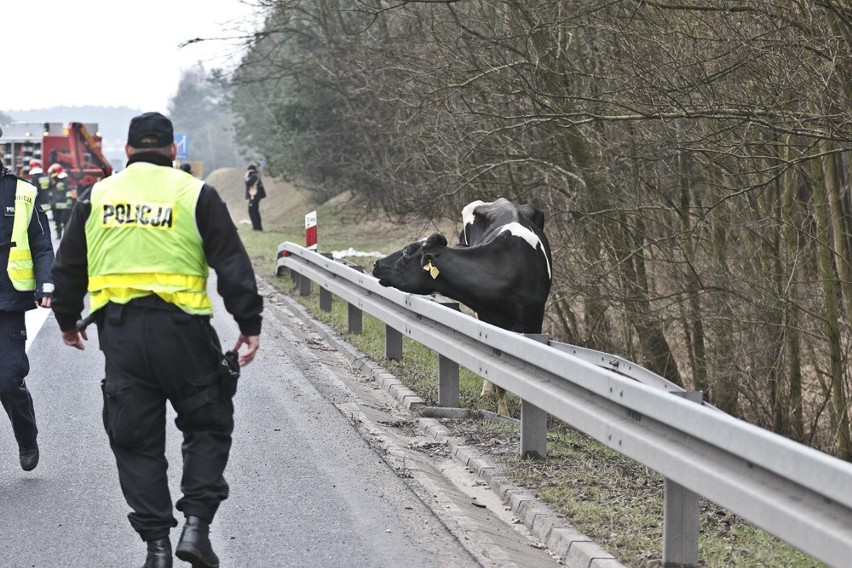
512,235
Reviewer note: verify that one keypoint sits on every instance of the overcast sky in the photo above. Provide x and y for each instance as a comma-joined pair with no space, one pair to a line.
112,52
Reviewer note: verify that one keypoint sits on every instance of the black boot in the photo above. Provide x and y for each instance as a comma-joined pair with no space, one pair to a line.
159,553
194,546
28,454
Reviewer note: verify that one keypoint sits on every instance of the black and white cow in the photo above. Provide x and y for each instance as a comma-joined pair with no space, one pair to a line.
501,268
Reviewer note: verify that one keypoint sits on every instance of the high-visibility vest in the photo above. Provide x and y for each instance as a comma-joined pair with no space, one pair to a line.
142,238
61,191
20,266
42,182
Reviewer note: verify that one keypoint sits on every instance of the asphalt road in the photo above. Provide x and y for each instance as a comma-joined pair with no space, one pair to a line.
306,488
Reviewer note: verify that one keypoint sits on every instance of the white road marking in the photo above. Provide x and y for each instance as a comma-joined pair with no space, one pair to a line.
35,320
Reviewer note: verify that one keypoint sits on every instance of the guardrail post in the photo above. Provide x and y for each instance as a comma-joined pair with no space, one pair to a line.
680,526
325,300
533,431
393,344
448,382
304,285
354,318
325,295
448,370
681,511
534,420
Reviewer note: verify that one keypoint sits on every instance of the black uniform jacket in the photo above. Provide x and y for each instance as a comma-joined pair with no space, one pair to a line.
253,178
222,246
41,248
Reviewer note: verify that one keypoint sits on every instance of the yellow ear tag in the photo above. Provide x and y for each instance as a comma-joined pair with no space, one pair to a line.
432,270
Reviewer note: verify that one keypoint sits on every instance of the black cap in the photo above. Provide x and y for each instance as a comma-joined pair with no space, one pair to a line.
150,130
252,168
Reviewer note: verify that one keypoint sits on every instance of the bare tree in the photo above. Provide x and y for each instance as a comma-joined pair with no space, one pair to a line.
694,158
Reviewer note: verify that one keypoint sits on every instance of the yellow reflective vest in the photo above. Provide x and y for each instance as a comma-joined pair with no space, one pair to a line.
142,238
20,267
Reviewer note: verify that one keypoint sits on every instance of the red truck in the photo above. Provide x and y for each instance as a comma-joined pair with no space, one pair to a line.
72,146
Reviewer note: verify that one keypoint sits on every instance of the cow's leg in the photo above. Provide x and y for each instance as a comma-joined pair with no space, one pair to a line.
502,409
490,389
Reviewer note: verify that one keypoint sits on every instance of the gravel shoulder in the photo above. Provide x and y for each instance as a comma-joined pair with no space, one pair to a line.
452,464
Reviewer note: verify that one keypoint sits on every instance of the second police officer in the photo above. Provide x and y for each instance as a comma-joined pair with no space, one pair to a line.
26,255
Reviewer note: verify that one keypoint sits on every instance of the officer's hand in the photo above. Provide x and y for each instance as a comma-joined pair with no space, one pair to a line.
252,342
43,302
72,338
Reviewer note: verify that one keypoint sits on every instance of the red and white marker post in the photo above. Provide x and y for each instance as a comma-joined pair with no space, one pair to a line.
311,231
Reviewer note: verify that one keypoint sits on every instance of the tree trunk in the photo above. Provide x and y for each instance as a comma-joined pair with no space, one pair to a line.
791,218
724,386
656,351
839,415
694,321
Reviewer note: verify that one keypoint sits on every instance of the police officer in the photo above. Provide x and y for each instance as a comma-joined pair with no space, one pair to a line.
27,253
140,242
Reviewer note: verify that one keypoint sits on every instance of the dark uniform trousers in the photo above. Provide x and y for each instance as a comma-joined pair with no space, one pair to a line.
156,352
14,366
254,214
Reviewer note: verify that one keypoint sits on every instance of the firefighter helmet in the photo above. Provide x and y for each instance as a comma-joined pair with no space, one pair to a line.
34,163
55,169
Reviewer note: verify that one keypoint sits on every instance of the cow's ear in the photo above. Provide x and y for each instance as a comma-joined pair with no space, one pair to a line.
428,264
538,217
533,213
436,240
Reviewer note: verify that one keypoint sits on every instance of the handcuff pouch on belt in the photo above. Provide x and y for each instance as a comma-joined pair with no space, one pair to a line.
223,389
229,373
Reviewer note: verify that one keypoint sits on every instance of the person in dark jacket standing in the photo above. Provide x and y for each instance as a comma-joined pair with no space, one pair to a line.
140,243
27,253
254,193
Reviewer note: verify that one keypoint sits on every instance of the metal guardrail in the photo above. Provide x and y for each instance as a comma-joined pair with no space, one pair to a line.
799,494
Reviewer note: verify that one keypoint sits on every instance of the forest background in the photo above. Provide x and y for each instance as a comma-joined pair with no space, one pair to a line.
693,159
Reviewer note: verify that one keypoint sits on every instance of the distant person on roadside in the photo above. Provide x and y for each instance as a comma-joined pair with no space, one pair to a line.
141,244
254,193
187,168
26,252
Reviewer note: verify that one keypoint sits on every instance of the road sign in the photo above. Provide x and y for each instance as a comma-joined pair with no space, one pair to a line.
182,142
311,230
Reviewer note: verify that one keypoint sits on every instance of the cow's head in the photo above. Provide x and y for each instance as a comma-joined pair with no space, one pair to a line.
411,269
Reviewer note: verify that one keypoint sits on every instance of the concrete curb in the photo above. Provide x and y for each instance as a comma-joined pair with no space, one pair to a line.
575,549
